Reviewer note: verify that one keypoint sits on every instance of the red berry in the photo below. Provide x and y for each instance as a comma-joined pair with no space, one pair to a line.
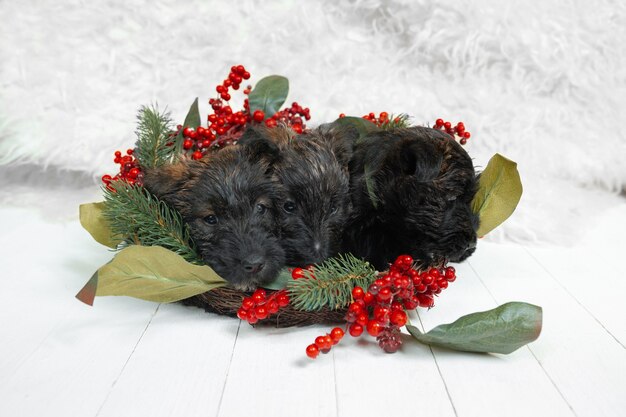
355,330
197,155
439,122
328,342
425,300
368,298
442,283
272,307
260,293
261,312
398,317
336,334
362,319
242,314
381,313
297,273
247,303
245,75
282,299
450,273
258,116
358,293
384,294
320,342
187,144
312,351
374,328
355,308
466,135
447,125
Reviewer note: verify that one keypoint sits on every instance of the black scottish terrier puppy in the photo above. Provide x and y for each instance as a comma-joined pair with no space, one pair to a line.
411,192
312,168
228,199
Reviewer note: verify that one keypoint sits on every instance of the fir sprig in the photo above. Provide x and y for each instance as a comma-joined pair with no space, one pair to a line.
331,284
154,144
399,121
140,218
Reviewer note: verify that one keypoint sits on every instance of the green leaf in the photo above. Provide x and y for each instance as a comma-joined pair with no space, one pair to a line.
151,273
280,282
193,116
93,221
268,95
499,191
191,120
363,126
501,330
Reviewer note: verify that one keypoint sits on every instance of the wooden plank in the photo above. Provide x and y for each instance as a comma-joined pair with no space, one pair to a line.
483,384
371,382
585,362
178,369
58,356
592,271
271,375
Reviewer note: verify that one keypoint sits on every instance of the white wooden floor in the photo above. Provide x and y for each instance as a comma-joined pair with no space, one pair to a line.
126,357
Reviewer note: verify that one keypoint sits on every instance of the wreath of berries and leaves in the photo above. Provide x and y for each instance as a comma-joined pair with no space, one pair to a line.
156,259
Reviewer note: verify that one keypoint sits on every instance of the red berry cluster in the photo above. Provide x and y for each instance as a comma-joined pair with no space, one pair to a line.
129,170
290,116
458,130
259,306
222,121
324,343
381,309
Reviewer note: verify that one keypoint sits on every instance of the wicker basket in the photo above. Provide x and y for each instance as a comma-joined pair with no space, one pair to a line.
226,301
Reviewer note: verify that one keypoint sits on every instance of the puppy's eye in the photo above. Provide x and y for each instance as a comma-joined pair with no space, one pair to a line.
261,209
334,209
211,219
289,207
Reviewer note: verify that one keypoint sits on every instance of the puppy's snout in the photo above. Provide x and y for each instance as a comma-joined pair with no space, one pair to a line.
253,264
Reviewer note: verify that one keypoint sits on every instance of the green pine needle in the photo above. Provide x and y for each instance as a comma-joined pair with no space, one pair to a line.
399,121
155,146
332,283
141,219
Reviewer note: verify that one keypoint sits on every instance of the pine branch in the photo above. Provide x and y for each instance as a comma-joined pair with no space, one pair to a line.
141,219
399,121
155,145
331,284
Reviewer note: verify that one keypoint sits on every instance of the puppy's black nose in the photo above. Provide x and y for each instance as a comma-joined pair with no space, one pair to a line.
253,264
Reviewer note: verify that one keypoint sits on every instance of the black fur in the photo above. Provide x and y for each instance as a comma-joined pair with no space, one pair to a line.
313,171
411,192
235,186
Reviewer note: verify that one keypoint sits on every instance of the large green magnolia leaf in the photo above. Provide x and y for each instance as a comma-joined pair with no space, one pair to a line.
501,330
93,221
151,273
499,191
363,126
280,282
268,95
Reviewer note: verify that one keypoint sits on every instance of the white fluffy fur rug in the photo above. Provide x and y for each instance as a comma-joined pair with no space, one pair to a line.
543,83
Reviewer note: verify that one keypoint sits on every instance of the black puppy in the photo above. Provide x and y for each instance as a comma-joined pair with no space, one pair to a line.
313,171
228,199
411,191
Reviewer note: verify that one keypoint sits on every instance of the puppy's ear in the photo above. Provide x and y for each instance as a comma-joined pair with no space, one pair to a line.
170,183
259,147
416,158
341,139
